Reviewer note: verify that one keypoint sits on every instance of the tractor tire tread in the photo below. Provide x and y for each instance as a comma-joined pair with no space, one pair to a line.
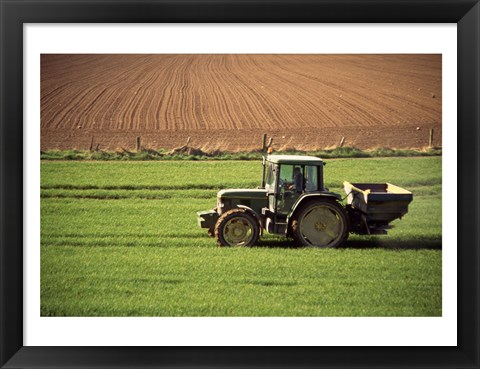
225,216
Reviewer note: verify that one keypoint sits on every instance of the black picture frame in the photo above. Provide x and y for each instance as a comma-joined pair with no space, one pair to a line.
14,13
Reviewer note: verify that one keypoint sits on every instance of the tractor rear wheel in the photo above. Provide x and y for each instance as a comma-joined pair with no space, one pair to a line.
237,227
322,223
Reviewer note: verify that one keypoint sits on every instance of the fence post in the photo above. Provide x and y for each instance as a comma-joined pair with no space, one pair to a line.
430,138
138,145
264,141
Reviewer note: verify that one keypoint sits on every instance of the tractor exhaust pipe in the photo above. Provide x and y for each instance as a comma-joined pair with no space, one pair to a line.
263,172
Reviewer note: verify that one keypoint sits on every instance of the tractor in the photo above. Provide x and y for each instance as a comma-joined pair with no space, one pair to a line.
293,201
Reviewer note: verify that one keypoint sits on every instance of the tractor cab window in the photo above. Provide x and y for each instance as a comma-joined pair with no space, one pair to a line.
311,178
291,178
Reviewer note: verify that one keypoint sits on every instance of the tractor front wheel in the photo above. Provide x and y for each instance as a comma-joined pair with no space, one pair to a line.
322,223
236,227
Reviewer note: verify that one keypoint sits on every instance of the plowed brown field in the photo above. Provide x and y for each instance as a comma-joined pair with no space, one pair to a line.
227,102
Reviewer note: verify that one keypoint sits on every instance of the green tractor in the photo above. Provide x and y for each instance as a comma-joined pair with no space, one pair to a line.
293,201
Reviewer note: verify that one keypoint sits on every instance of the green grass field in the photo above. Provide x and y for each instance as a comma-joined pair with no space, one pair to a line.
121,239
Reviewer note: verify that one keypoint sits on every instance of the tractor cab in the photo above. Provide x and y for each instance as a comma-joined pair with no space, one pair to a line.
287,179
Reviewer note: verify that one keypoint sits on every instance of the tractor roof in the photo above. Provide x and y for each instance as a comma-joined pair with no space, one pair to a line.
294,159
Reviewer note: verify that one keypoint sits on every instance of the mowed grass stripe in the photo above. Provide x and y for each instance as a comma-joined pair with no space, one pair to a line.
418,171
150,175
126,194
172,194
197,186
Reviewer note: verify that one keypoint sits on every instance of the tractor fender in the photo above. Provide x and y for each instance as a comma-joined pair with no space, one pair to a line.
254,214
306,197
